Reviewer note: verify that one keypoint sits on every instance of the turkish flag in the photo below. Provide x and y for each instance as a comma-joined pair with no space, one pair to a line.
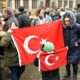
54,60
29,40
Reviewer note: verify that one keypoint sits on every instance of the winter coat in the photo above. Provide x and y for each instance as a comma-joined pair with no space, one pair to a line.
47,18
10,52
78,17
12,19
55,17
24,20
72,35
71,14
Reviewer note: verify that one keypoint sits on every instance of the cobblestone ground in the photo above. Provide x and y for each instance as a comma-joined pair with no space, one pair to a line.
32,73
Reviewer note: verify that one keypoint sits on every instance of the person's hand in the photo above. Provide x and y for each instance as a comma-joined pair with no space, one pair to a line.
13,26
76,44
38,55
2,33
10,31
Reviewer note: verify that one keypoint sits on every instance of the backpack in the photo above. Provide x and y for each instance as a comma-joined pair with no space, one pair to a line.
34,22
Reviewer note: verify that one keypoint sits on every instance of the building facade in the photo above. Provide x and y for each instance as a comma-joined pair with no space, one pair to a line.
34,4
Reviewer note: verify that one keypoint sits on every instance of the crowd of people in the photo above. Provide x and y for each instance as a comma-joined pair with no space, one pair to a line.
11,19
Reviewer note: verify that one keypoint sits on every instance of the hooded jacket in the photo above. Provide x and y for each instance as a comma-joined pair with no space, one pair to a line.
71,36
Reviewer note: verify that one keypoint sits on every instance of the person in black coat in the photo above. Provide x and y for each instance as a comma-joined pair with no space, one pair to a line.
23,19
71,31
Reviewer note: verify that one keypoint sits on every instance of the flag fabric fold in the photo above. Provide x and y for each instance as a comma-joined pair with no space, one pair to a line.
29,40
54,60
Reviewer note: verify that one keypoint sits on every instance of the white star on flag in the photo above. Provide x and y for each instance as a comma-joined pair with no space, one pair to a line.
43,41
57,58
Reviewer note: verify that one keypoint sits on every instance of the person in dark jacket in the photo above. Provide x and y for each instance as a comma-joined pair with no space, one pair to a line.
78,16
9,17
71,32
23,18
56,16
52,74
10,53
24,21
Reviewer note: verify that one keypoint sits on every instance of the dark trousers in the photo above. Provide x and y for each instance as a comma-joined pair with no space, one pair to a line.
75,69
16,72
51,75
0,74
20,71
13,73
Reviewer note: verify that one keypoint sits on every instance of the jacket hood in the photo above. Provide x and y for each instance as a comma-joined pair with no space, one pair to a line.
71,18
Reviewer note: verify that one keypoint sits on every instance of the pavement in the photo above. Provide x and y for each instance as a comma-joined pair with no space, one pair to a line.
31,73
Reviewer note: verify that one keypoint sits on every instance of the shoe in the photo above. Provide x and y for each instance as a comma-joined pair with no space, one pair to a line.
66,77
75,77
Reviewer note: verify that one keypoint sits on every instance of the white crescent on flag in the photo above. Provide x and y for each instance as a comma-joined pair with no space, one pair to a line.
26,42
46,60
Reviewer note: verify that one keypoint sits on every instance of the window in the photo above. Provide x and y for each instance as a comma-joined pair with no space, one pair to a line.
17,4
59,3
68,0
41,4
71,4
34,4
47,3
65,3
8,3
53,5
26,3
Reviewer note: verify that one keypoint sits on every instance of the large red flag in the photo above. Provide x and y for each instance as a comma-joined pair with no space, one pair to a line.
29,40
53,60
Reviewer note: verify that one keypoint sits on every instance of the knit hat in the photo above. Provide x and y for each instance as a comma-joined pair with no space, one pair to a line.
48,46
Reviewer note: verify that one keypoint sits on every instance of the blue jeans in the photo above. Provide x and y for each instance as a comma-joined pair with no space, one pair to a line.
14,71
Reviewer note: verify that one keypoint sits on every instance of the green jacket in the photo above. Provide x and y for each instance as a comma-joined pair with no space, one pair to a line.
10,52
